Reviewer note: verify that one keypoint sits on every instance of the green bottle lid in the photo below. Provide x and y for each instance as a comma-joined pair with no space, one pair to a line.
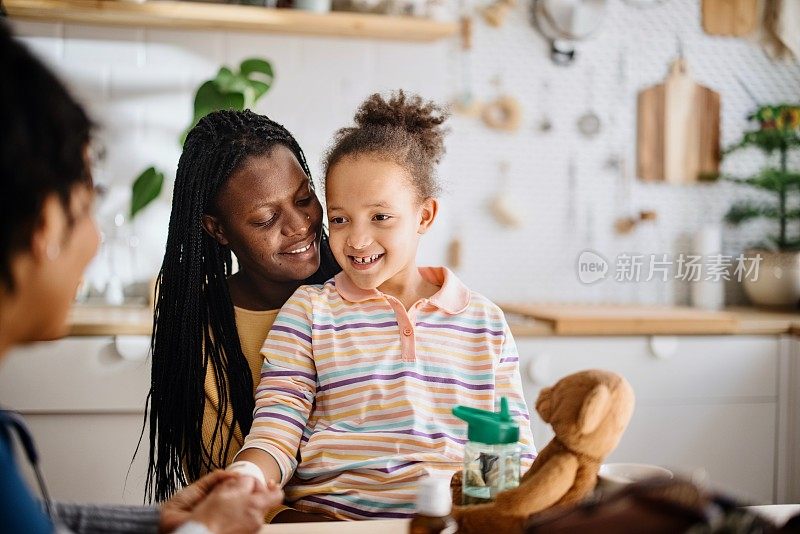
491,428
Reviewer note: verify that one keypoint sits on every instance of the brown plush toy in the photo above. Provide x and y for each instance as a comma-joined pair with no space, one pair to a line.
588,411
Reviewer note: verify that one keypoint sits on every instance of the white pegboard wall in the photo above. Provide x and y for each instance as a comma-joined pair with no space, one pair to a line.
138,83
538,261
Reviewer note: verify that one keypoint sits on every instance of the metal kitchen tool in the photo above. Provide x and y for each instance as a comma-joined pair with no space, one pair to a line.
589,123
544,124
615,158
572,193
564,22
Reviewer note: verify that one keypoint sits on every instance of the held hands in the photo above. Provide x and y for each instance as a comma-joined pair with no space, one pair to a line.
224,501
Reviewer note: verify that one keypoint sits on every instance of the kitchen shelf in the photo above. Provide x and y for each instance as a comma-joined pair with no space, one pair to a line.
209,16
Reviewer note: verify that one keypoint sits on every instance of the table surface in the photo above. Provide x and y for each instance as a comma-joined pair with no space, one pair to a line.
384,526
777,513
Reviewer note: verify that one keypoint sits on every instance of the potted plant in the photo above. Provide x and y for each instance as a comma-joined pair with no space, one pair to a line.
227,90
776,135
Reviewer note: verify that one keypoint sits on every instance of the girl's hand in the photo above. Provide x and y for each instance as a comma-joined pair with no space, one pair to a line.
274,494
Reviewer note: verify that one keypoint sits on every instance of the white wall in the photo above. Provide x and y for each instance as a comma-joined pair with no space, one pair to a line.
138,84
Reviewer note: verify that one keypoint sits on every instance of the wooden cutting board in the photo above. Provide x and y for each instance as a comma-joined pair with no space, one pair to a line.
677,129
568,319
730,17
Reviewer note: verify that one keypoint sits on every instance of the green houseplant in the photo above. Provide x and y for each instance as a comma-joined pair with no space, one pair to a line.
776,135
229,89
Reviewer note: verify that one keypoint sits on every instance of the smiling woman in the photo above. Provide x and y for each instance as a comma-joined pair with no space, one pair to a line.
268,214
242,187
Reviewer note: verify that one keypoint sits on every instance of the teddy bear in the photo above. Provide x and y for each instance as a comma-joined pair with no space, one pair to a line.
588,412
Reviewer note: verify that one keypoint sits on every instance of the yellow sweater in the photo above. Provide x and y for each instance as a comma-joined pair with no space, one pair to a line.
253,327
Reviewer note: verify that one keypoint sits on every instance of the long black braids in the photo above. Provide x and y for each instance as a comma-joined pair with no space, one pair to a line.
194,328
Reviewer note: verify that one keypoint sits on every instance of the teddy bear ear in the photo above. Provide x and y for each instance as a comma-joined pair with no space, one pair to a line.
543,404
594,408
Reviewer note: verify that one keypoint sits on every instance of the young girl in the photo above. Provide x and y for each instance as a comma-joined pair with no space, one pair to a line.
361,373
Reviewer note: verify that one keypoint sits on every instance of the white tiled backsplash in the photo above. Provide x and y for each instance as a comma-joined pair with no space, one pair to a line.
139,83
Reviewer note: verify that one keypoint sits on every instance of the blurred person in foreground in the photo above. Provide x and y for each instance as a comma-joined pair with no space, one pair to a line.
48,237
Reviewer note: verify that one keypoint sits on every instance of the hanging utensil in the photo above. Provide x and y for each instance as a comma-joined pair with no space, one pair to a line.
500,205
614,159
678,129
626,221
504,113
544,124
589,124
466,103
564,22
572,193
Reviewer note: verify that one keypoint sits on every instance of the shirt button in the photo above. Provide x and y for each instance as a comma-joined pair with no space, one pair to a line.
407,331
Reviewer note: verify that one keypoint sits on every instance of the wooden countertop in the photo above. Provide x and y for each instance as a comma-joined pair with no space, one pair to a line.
526,320
110,320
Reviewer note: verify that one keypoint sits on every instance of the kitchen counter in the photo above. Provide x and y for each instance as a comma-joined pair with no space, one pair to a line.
624,320
110,320
526,320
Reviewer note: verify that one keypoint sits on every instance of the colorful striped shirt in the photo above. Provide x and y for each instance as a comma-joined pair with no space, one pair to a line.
356,392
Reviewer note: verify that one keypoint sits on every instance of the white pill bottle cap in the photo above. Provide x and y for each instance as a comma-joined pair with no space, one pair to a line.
433,497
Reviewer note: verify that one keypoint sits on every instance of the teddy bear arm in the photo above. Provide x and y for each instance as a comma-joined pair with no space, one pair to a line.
544,488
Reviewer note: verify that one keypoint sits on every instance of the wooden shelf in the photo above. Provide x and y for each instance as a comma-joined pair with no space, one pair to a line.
196,15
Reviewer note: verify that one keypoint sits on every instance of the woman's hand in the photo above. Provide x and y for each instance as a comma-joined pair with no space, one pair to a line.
237,505
223,501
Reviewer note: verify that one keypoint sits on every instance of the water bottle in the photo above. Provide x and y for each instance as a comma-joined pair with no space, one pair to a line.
492,454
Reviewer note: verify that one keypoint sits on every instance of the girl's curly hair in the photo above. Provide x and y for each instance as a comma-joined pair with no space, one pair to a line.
404,129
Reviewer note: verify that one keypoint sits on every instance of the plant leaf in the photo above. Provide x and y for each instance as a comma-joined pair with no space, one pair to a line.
224,79
257,69
769,179
712,176
209,98
237,83
259,88
229,90
260,75
146,188
745,211
767,140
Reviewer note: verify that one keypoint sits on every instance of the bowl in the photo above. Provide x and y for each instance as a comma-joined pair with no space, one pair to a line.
615,476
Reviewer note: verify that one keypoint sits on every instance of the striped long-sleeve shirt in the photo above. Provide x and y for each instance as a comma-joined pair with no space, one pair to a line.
355,397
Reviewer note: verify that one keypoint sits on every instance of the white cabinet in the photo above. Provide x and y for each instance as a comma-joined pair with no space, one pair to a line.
83,399
725,404
705,405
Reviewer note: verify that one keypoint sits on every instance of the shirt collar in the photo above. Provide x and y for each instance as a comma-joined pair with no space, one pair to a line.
453,296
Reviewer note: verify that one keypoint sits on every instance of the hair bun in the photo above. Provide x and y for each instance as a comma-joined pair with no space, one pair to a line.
422,119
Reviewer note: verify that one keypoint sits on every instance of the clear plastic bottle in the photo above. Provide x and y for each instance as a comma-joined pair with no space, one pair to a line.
433,508
492,454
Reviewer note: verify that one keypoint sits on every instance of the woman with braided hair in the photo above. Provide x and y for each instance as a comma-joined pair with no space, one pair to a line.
242,188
